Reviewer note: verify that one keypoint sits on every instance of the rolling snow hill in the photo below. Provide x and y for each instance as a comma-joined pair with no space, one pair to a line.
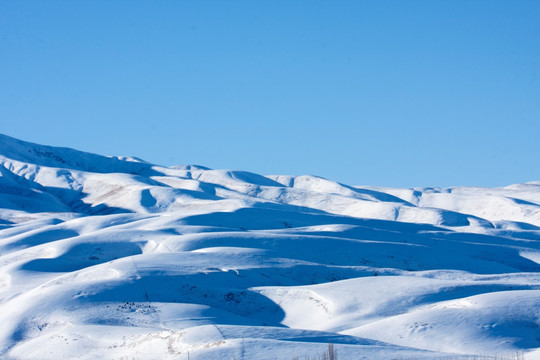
114,257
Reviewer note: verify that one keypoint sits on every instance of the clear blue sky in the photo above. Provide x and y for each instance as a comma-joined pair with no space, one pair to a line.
395,93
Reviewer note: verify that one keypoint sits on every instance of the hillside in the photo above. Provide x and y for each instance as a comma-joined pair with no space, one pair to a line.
105,257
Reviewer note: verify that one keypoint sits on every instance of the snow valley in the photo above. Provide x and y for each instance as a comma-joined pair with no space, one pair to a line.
111,257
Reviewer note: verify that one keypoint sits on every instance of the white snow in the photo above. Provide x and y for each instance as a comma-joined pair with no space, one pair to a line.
113,257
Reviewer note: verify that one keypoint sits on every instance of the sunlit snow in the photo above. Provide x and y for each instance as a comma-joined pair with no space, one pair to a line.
111,257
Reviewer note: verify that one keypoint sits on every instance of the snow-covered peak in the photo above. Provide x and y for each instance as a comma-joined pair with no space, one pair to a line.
67,158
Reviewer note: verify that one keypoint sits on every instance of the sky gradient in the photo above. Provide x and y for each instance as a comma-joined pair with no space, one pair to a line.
390,93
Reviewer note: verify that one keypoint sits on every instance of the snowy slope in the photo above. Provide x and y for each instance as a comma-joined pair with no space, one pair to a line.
111,257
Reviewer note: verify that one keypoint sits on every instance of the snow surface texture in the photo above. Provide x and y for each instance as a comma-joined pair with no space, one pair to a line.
109,257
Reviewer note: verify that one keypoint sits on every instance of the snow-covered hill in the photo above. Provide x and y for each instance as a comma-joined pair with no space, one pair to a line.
110,257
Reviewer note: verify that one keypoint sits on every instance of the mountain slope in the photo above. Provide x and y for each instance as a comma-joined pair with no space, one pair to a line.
110,257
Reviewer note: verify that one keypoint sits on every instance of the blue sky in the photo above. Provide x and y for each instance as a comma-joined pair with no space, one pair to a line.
393,93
